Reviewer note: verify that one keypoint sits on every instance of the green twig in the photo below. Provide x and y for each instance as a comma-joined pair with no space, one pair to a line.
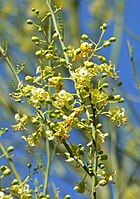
47,172
57,31
76,158
130,48
2,149
3,54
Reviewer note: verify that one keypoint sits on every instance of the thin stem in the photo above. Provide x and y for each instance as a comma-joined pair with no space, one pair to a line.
47,172
76,158
9,64
10,163
57,31
95,155
133,66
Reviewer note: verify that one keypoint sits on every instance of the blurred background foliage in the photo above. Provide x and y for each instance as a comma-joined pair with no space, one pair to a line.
123,144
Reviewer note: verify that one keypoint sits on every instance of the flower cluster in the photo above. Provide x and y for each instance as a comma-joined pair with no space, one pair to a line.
57,110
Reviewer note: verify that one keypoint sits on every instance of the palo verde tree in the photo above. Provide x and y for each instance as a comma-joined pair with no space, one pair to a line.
58,111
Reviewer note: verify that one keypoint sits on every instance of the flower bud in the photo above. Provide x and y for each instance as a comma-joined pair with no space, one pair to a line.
29,78
104,75
62,61
100,152
102,182
18,100
101,166
1,194
117,97
88,64
6,172
104,26
85,37
64,49
102,59
121,100
37,11
38,53
103,157
55,35
105,85
10,149
110,97
106,44
99,125
29,165
29,21
5,129
40,29
112,39
48,14
78,51
14,182
35,121
119,84
35,39
3,168
49,56
67,197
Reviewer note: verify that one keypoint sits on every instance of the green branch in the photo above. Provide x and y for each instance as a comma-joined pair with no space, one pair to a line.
76,158
2,52
2,149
